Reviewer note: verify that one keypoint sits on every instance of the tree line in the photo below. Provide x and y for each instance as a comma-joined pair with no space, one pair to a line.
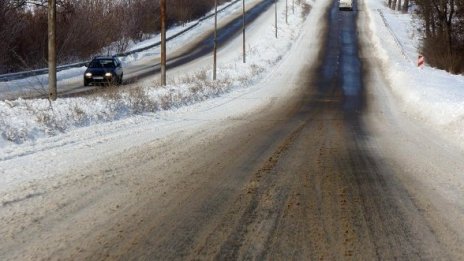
84,28
443,31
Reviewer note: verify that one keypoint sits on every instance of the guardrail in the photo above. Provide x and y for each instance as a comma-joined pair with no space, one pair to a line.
20,75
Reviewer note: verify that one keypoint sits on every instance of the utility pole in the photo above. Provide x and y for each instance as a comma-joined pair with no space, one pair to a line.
215,40
275,4
52,50
286,11
243,32
163,42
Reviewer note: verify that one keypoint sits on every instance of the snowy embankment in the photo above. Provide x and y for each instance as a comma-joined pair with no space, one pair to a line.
430,95
23,122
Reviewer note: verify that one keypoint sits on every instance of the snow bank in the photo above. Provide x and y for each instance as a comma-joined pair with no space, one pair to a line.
430,95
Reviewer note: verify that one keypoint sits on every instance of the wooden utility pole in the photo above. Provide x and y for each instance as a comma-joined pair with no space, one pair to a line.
163,41
286,11
275,4
243,32
215,40
52,50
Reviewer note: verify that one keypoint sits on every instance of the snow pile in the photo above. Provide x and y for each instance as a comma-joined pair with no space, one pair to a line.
431,95
28,120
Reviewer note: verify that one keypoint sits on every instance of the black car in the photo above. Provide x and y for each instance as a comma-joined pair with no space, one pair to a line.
104,70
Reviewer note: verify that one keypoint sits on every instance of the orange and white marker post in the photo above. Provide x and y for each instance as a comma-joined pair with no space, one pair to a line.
421,61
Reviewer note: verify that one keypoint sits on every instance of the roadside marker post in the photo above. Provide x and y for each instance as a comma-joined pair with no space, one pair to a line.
421,61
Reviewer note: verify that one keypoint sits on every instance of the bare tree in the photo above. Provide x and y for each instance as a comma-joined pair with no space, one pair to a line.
405,6
10,29
445,11
443,43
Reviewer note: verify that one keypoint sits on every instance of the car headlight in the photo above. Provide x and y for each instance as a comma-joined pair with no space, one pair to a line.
88,75
108,75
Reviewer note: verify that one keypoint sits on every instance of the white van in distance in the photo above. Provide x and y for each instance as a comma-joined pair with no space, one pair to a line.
346,5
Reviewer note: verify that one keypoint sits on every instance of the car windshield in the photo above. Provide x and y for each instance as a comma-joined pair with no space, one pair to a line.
102,64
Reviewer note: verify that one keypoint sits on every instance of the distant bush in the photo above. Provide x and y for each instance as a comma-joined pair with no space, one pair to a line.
439,56
84,27
443,24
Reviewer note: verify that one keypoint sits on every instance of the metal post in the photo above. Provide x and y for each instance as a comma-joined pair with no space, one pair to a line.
52,50
215,40
243,32
163,41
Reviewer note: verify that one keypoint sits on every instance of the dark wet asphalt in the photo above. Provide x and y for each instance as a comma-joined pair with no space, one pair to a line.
341,67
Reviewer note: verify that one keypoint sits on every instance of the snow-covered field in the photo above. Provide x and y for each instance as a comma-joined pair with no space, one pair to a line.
84,129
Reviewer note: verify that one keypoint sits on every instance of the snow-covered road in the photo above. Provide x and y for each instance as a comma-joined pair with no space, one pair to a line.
271,167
